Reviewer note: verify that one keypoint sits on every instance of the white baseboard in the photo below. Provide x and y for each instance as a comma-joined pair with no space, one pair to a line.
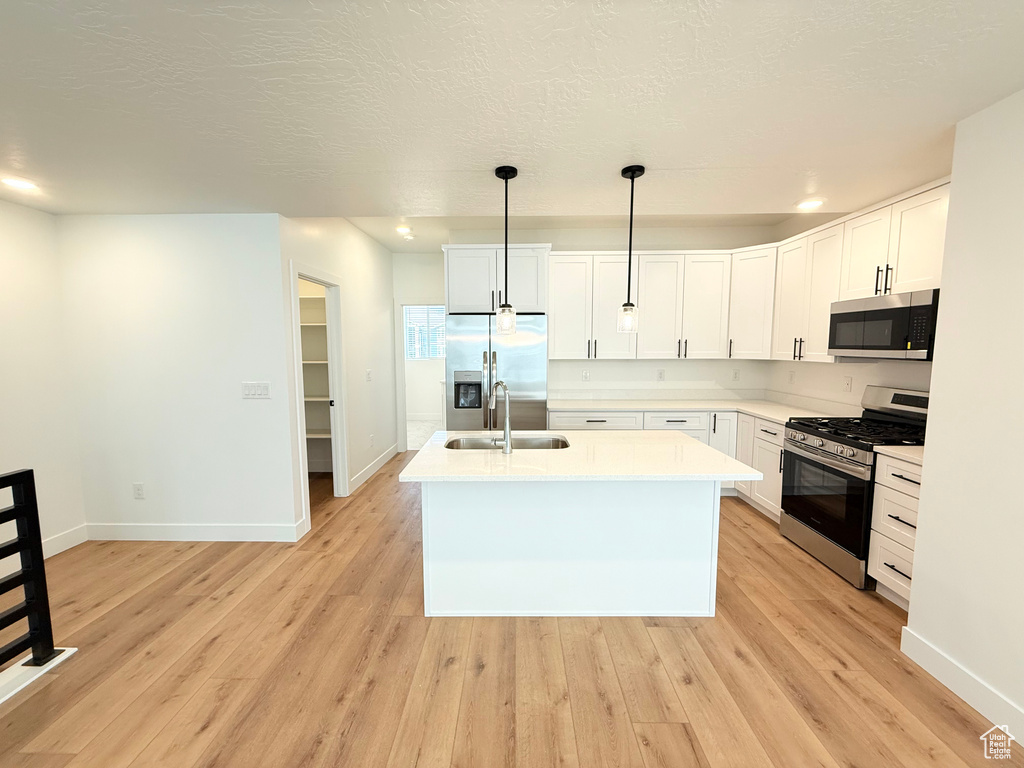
17,676
422,416
376,464
65,540
192,532
892,597
983,697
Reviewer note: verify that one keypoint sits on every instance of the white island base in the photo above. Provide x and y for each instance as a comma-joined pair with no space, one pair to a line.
601,548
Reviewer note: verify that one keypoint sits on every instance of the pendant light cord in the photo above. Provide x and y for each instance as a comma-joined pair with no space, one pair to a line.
629,262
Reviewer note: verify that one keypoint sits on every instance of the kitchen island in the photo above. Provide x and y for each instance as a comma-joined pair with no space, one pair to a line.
619,523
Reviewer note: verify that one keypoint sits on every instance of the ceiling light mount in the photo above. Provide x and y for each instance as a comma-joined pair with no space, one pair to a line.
506,172
22,184
811,203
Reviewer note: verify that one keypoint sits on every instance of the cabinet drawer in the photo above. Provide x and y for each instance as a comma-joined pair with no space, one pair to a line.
898,475
894,514
891,563
595,420
685,420
769,430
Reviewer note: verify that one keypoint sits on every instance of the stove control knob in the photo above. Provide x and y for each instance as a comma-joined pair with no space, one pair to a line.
840,450
818,442
850,452
801,436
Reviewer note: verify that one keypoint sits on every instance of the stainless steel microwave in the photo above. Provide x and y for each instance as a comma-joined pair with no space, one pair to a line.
898,326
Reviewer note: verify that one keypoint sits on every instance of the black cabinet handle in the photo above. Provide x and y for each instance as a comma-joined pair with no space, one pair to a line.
588,349
901,477
899,519
782,456
730,348
595,349
675,421
794,347
800,354
684,348
769,432
901,573
679,348
878,279
714,423
888,269
597,421
492,301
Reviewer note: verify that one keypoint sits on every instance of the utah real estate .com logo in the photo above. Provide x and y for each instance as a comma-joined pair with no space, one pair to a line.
997,743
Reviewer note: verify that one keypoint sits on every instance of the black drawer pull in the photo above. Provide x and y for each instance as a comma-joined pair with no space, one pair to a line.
597,421
901,477
769,432
899,519
675,421
901,573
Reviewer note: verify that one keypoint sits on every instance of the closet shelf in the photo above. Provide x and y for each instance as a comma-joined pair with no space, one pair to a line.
314,362
317,399
313,325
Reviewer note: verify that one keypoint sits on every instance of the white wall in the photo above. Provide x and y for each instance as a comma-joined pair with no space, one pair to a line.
166,316
419,278
37,425
819,386
967,606
696,379
367,290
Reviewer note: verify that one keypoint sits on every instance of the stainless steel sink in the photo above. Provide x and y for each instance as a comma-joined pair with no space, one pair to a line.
542,443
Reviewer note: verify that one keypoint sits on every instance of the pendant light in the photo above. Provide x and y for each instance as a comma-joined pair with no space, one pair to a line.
506,318
628,318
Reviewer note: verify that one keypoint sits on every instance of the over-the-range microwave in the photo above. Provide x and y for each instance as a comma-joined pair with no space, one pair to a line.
897,326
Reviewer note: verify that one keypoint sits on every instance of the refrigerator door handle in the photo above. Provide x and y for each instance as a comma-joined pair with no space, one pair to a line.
486,391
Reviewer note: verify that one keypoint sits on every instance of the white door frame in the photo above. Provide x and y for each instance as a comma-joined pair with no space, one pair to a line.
336,379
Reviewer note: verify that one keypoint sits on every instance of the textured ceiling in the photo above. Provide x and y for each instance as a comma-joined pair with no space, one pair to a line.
312,108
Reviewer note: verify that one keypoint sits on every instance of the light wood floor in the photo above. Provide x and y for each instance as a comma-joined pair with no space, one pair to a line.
317,654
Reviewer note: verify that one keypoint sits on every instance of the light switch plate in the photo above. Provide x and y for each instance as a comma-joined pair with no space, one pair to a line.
256,390
586,375
847,383
138,491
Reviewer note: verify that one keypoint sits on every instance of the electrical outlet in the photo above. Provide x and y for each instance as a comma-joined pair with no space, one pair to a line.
659,374
255,390
371,441
586,375
792,377
138,492
847,383
735,374
369,375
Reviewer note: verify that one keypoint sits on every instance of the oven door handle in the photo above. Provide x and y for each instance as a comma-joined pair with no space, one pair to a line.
849,468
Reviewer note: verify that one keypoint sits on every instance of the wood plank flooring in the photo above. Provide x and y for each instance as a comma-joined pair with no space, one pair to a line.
210,655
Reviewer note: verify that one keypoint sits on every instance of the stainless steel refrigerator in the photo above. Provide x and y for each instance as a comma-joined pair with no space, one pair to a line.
476,356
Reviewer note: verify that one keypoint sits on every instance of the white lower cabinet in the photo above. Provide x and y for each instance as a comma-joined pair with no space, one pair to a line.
894,523
767,460
595,420
891,564
693,423
722,436
745,448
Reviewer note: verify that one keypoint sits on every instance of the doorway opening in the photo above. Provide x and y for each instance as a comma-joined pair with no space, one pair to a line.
424,341
316,392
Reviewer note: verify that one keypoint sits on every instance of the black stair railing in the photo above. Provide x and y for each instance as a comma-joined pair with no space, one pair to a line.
31,577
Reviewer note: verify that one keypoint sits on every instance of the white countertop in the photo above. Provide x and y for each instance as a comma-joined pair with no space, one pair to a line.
765,409
626,455
911,453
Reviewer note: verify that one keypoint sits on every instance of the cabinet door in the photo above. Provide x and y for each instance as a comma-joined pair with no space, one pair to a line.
527,274
790,299
745,449
824,263
916,241
751,303
609,295
660,304
723,436
471,279
865,253
767,461
706,279
570,307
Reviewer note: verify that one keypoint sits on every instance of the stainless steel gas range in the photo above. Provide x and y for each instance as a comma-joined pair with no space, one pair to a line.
828,472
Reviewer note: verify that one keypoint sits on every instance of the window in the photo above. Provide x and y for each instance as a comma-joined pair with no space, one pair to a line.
424,332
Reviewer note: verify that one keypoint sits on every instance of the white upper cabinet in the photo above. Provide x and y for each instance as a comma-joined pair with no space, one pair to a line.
475,275
660,305
471,279
570,306
751,300
865,254
528,276
705,330
609,295
824,266
790,300
917,239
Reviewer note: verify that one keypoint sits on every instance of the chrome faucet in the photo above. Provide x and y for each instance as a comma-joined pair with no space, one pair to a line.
507,443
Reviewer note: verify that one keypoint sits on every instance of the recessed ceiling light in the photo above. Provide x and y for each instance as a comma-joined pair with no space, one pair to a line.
810,205
402,229
409,237
22,184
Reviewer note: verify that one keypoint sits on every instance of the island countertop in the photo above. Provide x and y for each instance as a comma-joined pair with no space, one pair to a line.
626,455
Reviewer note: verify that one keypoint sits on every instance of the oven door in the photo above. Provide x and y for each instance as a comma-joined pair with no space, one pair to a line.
829,495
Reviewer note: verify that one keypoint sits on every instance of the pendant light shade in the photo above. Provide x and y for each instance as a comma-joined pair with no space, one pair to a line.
506,317
628,319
